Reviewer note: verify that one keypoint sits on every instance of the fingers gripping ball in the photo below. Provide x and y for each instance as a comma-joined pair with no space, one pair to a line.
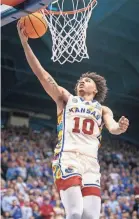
35,25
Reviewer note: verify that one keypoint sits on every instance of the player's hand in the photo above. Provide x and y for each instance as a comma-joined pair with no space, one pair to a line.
123,124
22,33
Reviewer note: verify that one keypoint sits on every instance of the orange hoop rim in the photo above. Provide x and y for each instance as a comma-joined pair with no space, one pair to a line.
70,12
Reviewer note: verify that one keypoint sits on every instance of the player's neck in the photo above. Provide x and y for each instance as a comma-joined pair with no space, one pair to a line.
87,97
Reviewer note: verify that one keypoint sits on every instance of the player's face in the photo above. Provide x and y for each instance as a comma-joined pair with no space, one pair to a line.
86,86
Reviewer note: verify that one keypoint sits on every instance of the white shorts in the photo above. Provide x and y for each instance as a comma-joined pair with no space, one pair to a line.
72,169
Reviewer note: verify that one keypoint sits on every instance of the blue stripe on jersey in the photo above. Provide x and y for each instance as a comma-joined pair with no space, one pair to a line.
83,100
94,101
63,140
86,185
73,174
99,137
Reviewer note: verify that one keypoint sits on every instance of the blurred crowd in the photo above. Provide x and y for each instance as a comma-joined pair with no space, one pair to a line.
27,187
119,163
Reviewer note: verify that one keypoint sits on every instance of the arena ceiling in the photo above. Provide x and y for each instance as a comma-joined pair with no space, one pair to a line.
113,46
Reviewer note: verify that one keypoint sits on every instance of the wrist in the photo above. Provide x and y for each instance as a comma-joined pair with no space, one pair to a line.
25,44
116,130
119,130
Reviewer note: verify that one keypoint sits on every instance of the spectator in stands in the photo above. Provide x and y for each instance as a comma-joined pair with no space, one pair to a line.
113,203
16,211
125,215
136,187
46,209
26,210
36,212
22,170
12,171
136,205
3,187
7,215
114,176
7,200
21,185
134,215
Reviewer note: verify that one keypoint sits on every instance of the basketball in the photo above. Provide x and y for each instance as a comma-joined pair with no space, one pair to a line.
35,25
12,2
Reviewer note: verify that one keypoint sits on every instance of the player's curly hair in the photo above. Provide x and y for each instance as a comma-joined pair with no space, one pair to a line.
100,83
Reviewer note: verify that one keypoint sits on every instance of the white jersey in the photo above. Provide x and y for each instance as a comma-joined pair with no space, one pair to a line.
79,127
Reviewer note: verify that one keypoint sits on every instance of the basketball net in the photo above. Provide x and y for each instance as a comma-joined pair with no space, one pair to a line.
68,29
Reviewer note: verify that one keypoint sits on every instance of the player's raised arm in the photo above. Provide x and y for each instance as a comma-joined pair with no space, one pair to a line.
114,127
49,84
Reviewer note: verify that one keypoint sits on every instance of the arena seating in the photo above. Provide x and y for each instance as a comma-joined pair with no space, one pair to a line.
27,187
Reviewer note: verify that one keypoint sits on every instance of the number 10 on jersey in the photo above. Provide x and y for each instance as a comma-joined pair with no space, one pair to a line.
86,126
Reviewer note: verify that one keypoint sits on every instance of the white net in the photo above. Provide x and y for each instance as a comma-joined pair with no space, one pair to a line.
68,29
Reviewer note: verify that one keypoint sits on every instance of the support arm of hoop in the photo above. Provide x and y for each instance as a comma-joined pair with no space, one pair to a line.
13,13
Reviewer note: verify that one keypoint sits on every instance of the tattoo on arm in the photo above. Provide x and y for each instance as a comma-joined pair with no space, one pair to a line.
52,82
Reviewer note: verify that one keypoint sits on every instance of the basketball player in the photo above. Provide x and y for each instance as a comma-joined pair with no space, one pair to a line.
80,121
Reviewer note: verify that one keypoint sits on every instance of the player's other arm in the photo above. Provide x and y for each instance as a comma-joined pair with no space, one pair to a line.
115,128
49,84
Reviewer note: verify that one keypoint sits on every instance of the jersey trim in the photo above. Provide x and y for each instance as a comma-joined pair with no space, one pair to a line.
63,137
63,140
90,185
91,191
83,100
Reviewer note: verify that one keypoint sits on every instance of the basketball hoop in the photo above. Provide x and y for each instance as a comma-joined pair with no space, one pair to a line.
68,29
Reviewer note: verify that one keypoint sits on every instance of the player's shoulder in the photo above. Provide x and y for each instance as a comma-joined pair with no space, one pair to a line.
74,99
106,109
